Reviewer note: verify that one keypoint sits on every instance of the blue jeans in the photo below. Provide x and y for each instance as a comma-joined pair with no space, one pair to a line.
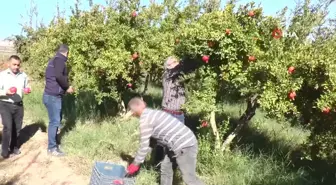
54,108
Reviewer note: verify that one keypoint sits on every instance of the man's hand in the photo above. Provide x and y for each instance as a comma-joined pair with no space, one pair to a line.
70,90
132,169
27,90
11,91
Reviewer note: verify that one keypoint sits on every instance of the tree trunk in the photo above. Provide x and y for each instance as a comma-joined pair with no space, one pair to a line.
244,119
214,129
146,85
122,107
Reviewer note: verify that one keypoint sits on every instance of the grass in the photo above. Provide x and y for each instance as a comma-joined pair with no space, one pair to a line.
261,155
34,108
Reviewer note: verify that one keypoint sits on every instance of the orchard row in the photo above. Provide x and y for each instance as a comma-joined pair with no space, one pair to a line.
239,53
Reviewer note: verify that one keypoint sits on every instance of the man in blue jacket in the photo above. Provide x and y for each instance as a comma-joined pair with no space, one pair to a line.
56,86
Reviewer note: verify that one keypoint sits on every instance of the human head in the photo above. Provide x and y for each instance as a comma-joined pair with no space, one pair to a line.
64,50
171,62
136,106
14,63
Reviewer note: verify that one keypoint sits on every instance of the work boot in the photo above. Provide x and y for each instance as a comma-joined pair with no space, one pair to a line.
15,151
4,156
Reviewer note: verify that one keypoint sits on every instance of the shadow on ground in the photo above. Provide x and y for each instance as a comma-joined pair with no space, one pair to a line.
80,108
85,106
317,172
30,130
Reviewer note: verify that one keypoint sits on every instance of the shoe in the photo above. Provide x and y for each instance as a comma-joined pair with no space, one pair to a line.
15,151
4,156
56,152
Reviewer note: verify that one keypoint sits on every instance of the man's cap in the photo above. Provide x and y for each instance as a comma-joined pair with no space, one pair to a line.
63,48
171,62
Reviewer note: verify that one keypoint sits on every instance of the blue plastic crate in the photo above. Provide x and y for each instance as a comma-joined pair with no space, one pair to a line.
104,173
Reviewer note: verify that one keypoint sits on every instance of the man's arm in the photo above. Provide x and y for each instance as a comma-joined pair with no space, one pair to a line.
173,73
186,65
189,65
60,78
26,83
145,134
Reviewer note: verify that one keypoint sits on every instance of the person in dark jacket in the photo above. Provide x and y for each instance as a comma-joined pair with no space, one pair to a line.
56,86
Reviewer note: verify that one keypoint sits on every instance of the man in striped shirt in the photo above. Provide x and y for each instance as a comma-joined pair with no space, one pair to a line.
179,141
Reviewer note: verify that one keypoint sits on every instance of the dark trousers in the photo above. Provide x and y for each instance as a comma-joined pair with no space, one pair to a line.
186,161
12,118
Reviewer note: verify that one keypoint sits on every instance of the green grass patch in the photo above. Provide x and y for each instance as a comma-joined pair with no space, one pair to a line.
108,140
34,108
260,155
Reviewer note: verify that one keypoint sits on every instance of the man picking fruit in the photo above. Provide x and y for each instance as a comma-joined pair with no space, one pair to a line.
173,96
179,141
56,86
173,90
13,84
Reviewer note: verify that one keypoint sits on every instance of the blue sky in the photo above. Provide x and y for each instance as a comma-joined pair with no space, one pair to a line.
15,12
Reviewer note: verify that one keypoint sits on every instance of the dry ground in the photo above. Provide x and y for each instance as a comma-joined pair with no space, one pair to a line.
34,167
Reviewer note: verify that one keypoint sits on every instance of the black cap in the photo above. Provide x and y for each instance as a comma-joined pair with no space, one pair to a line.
63,48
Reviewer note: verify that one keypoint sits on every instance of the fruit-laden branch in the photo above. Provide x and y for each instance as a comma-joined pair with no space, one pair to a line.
244,119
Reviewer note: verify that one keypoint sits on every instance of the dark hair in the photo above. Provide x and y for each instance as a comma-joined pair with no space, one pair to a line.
15,57
63,48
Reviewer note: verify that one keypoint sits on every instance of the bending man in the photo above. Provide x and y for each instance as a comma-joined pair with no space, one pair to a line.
179,141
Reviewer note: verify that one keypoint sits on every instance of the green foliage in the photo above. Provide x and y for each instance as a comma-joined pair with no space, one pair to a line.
267,76
245,58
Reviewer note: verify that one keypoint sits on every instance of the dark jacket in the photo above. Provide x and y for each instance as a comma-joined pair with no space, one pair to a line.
56,76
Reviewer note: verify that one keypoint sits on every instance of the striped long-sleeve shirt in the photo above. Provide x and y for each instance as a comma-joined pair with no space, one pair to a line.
173,90
166,129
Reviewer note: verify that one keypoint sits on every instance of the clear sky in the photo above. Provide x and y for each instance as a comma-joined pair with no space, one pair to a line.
14,13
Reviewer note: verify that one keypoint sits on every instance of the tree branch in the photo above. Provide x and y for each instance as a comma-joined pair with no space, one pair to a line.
214,128
244,119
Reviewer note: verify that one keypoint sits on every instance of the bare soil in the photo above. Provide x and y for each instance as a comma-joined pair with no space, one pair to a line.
34,167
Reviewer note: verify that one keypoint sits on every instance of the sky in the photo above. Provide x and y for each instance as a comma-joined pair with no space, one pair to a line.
12,19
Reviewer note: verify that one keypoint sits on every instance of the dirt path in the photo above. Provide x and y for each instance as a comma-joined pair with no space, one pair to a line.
34,167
